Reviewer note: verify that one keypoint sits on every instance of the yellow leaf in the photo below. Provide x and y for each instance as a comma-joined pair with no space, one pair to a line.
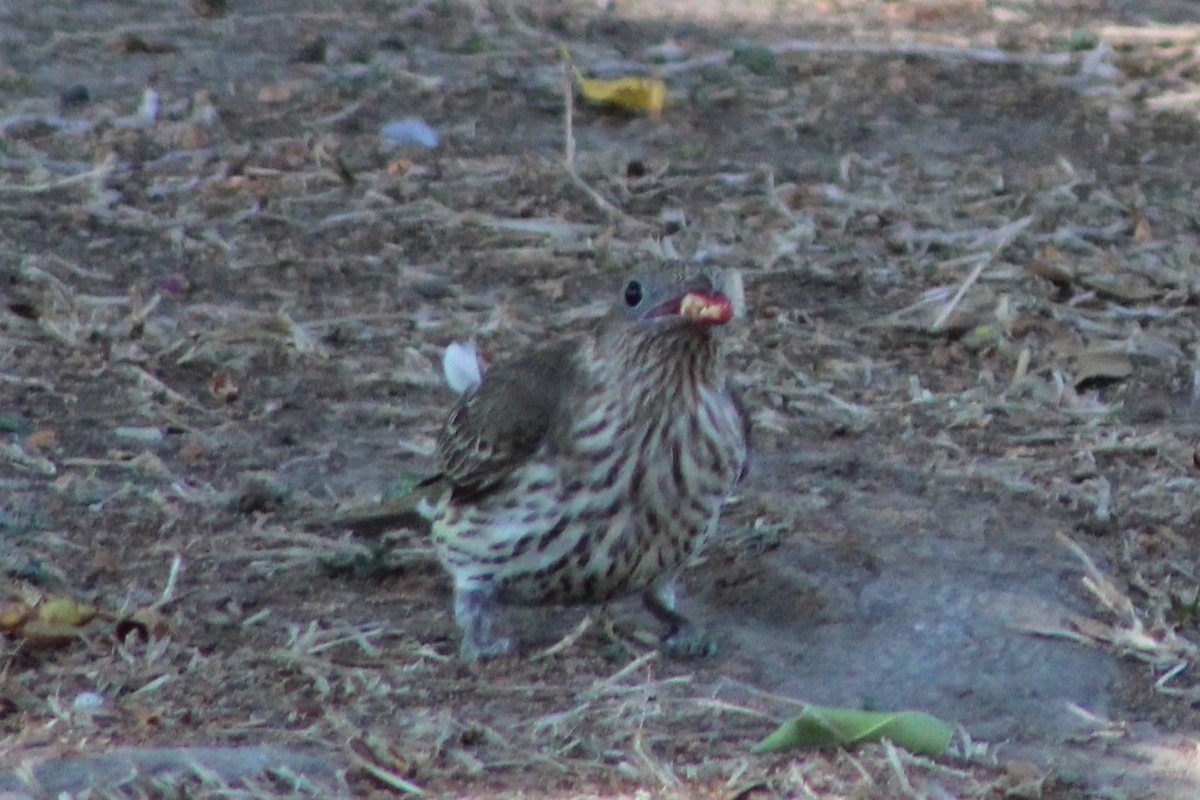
38,635
13,615
627,94
63,611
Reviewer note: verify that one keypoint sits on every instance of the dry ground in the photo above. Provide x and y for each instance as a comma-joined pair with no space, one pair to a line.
968,231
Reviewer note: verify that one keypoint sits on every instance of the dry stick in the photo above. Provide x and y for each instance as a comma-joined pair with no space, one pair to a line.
1174,101
168,592
37,383
518,24
567,641
606,207
983,260
101,171
1000,240
1158,648
185,23
893,760
984,55
385,776
144,377
568,116
733,708
620,675
1151,35
658,768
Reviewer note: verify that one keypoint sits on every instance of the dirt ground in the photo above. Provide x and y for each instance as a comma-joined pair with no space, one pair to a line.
968,235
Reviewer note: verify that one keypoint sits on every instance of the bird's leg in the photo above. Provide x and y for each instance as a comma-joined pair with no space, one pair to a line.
659,600
474,611
684,638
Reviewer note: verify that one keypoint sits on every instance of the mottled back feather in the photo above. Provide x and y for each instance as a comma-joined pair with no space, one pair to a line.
499,424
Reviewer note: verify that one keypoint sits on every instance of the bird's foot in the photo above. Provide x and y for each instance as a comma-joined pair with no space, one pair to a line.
689,641
471,650
684,639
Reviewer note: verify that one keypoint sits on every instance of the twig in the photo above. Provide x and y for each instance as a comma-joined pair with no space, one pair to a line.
620,675
168,592
658,768
185,22
37,383
1153,35
101,171
567,641
733,708
606,207
602,203
144,377
15,455
518,24
948,309
568,116
1001,239
893,760
1174,101
385,776
983,55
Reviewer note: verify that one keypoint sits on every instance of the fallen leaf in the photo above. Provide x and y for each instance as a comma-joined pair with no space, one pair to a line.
14,614
222,387
104,561
628,94
65,612
41,438
38,635
1052,270
192,450
1141,228
1101,367
279,92
823,726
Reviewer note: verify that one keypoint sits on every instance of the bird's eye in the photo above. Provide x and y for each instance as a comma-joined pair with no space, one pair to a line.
633,294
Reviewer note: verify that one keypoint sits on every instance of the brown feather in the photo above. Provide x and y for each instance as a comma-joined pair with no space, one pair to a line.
500,423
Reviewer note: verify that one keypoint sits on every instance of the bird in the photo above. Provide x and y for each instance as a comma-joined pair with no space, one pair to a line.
594,466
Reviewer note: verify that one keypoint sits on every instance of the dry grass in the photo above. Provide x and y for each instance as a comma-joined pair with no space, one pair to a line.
227,316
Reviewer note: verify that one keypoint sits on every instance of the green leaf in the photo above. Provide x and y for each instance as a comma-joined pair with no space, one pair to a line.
821,726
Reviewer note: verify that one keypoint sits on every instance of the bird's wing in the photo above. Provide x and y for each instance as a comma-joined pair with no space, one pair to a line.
739,403
499,424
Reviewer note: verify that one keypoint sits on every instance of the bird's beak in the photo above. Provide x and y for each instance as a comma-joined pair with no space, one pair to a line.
706,308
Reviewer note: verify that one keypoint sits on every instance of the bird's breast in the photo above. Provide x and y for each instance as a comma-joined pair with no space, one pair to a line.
651,485
624,496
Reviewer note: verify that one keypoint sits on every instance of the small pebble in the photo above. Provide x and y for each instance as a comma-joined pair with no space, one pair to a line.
432,289
666,52
411,130
87,701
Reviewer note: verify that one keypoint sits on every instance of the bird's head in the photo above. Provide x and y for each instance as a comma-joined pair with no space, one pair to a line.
677,296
